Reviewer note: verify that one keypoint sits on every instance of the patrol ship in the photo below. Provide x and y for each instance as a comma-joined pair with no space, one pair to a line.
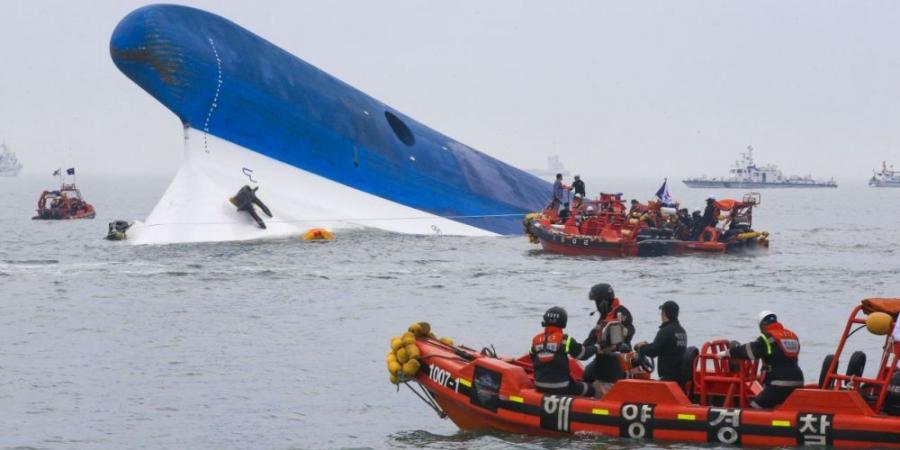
885,178
745,174
9,164
324,154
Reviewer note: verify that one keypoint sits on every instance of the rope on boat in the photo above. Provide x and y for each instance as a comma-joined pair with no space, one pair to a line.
425,396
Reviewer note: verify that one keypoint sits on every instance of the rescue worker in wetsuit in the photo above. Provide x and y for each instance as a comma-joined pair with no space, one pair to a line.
669,344
550,351
710,214
564,213
605,367
683,225
696,221
578,186
244,201
778,348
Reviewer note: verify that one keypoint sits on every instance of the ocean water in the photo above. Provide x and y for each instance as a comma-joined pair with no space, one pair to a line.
280,344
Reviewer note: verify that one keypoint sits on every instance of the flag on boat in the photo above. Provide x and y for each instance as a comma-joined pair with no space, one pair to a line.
663,193
70,171
56,172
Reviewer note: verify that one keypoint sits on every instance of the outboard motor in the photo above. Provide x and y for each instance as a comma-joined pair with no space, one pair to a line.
117,230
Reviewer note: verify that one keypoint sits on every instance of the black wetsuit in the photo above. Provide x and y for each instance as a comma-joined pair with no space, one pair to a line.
244,201
605,366
783,374
668,348
564,215
578,187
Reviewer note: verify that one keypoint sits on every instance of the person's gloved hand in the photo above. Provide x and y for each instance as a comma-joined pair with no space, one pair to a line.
624,348
637,347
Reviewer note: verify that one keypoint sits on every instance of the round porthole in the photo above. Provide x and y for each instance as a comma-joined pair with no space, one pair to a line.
400,129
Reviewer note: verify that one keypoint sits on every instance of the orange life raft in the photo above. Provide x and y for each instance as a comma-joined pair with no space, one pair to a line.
479,391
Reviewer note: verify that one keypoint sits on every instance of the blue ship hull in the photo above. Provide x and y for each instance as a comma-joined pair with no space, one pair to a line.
222,80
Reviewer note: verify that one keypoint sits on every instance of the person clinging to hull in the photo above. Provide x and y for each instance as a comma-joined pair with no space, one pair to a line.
550,351
244,201
779,349
605,367
669,344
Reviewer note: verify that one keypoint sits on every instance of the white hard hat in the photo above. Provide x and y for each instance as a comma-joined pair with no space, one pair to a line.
577,195
765,313
711,197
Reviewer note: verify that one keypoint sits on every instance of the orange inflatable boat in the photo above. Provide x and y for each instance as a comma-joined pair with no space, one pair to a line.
479,391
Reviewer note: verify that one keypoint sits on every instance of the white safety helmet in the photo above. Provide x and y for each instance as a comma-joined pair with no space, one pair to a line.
711,197
578,195
764,314
590,210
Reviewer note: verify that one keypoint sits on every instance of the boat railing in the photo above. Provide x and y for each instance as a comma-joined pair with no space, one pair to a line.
890,359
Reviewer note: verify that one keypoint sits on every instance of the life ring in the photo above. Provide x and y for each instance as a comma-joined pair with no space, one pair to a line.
710,234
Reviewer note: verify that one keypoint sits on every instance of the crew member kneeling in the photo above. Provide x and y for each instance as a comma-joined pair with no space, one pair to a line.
778,348
550,351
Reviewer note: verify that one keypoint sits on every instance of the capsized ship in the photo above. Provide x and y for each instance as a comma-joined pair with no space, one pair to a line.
745,174
886,177
323,153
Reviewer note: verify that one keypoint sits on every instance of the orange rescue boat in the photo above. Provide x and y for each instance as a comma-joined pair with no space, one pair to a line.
479,391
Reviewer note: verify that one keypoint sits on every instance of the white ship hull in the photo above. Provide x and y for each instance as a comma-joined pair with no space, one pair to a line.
195,206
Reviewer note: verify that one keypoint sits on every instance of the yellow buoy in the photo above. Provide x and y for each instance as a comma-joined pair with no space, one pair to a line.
396,343
415,329
409,338
878,323
391,357
394,379
446,341
394,367
412,351
318,234
411,367
402,356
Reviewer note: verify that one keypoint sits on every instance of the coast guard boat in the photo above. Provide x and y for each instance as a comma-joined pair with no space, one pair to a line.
9,164
745,174
885,178
324,155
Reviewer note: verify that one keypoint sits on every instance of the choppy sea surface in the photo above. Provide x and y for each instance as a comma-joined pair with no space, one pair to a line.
280,344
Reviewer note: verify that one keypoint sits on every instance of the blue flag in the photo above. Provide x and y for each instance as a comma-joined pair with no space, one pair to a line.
663,194
70,171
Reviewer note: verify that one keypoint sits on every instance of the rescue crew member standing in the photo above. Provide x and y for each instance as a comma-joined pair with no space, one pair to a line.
778,348
550,351
668,346
605,367
578,186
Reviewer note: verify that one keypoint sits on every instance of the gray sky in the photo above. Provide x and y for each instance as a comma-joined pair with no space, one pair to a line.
655,88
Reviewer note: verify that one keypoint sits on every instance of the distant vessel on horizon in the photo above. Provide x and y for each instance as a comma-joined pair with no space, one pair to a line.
745,174
9,164
554,166
885,178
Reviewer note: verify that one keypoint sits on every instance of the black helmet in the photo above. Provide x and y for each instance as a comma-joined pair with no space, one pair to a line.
601,292
555,317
